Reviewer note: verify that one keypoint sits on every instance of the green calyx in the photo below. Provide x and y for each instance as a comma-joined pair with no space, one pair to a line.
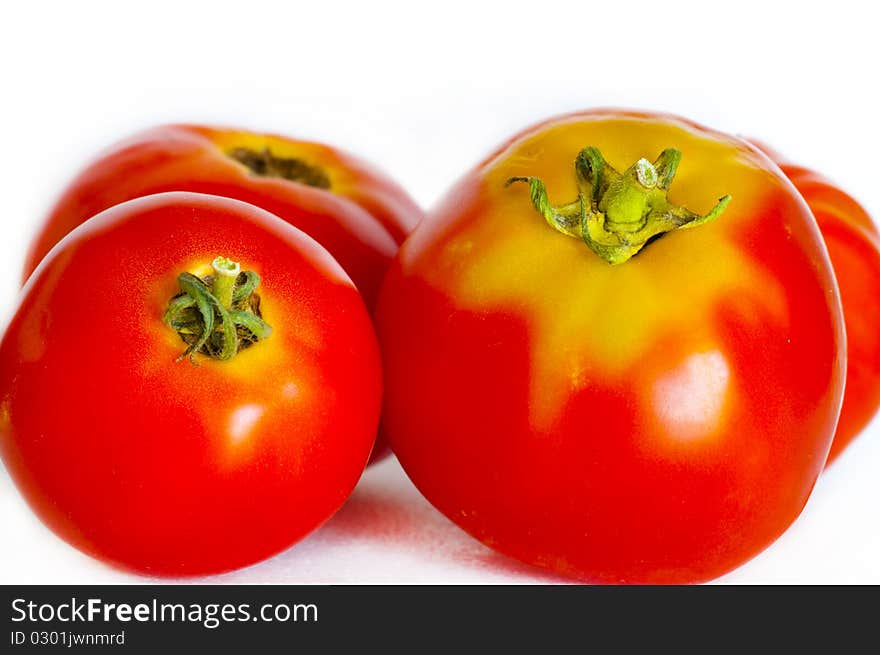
616,214
217,316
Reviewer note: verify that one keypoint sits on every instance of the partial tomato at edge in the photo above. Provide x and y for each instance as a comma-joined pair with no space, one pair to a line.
661,420
171,467
854,247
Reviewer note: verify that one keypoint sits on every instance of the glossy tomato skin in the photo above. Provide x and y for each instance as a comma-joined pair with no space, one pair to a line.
163,466
659,421
854,247
361,217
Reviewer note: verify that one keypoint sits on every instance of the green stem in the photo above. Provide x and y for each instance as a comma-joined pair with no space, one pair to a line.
616,214
220,315
225,273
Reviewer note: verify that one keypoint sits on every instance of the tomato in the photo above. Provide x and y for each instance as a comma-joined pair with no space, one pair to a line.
854,247
349,207
587,397
147,446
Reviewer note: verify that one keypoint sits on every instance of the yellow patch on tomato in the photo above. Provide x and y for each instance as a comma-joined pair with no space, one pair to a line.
588,319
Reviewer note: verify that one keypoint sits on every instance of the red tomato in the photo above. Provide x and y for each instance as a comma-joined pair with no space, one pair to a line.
177,468
658,419
350,208
854,247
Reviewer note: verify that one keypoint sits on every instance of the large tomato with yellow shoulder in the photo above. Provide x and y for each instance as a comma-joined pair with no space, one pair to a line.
616,350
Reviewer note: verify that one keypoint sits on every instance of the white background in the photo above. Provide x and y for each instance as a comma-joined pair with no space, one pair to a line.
424,90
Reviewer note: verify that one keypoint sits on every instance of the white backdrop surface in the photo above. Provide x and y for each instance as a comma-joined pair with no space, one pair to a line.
424,90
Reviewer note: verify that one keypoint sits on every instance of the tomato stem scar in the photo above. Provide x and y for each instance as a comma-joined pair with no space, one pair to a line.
219,315
265,163
617,214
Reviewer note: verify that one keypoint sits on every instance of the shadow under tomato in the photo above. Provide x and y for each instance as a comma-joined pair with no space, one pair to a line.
386,508
387,533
